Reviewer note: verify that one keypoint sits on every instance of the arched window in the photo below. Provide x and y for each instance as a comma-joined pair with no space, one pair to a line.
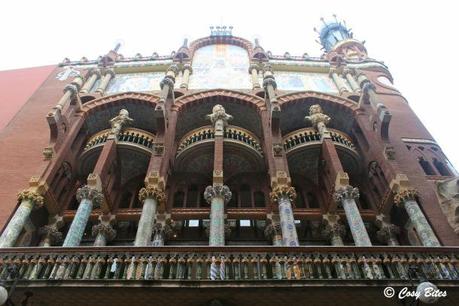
125,200
246,197
233,201
179,197
441,167
299,201
428,170
312,200
192,196
259,199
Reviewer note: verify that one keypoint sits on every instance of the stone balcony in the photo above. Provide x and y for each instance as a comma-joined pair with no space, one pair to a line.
310,137
373,266
233,134
129,137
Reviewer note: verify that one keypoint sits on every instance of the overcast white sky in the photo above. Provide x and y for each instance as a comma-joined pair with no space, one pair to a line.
416,39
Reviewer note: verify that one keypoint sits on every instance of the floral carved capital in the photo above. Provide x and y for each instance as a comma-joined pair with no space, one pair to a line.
346,193
387,232
282,191
405,195
221,191
31,196
152,192
105,229
88,193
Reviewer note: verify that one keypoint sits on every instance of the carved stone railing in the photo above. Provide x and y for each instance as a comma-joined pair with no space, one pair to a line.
309,136
194,263
232,134
131,136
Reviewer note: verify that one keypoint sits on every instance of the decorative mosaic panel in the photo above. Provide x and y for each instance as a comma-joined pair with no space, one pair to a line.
143,82
220,66
302,81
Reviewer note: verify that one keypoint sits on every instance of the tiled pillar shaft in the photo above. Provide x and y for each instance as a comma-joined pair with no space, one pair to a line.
407,199
88,198
283,195
351,80
339,82
253,70
94,75
186,76
109,74
287,222
217,196
14,228
346,196
419,221
145,227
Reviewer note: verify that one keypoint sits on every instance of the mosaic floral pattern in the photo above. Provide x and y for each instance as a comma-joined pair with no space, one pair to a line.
358,230
220,66
217,222
15,226
143,82
78,225
301,81
287,222
420,223
145,227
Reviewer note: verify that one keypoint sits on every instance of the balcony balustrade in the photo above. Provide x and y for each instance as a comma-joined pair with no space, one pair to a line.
194,263
130,136
309,136
232,134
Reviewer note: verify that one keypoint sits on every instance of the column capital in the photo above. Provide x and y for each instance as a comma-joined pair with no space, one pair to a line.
106,229
221,191
95,71
332,226
317,118
51,230
267,68
272,229
32,196
110,72
254,66
152,192
119,122
280,191
187,67
347,192
168,80
72,88
387,232
173,68
91,194
167,230
405,195
269,80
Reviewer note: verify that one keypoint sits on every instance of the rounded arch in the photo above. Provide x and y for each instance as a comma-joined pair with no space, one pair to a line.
230,40
192,110
97,113
341,110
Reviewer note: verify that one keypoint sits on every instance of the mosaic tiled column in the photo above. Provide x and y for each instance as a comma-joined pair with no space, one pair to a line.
346,196
108,75
339,82
387,232
88,198
347,73
187,70
217,196
50,233
167,83
151,196
253,70
104,231
333,230
29,200
283,196
273,232
407,199
94,74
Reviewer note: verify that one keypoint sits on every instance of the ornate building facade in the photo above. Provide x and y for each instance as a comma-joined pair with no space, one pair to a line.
225,175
